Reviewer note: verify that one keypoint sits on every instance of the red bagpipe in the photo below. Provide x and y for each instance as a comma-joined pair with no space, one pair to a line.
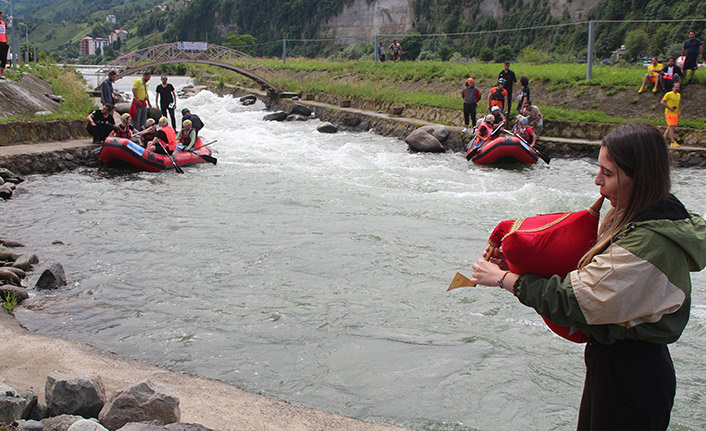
545,245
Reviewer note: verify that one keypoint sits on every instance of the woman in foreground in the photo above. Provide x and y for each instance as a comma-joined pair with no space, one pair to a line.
631,292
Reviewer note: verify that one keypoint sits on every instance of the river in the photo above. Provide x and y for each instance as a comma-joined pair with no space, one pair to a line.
314,267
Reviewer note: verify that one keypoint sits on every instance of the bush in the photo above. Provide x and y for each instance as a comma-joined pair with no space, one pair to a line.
504,53
486,54
427,55
534,56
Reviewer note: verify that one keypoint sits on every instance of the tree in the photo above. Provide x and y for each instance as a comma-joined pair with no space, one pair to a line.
240,42
637,43
504,53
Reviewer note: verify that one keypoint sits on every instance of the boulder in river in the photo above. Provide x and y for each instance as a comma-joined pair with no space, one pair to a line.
8,289
327,128
424,142
53,277
302,110
275,116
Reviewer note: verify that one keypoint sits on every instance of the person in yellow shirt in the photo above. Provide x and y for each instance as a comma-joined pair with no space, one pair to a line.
652,75
671,113
142,100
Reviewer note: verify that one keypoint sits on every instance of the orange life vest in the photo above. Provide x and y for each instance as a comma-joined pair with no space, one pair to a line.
3,32
123,132
497,97
484,131
171,138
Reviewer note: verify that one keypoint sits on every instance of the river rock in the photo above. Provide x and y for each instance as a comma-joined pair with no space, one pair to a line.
275,116
53,277
6,254
25,261
10,176
7,276
441,133
30,425
32,399
87,425
60,423
2,181
73,394
18,272
424,142
296,117
11,405
38,412
11,243
8,289
327,128
6,190
122,108
142,401
302,110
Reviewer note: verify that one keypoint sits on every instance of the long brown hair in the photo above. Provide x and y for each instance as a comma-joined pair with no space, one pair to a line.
640,151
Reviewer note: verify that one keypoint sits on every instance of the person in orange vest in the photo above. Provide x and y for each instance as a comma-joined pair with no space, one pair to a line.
498,96
164,139
4,47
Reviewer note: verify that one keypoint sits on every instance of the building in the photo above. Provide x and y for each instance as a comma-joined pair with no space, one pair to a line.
118,34
90,46
110,18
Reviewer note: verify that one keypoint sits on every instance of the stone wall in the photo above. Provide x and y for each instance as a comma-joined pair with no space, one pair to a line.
52,162
25,132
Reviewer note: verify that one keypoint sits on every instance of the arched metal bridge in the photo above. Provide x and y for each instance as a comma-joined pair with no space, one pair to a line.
190,52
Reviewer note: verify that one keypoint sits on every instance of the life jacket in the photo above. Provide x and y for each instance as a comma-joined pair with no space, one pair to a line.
185,138
484,131
171,138
3,32
497,98
147,137
123,132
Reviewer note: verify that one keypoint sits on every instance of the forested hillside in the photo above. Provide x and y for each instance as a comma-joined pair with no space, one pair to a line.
259,26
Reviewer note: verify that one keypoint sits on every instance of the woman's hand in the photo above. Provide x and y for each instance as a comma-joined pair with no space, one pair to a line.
497,258
490,274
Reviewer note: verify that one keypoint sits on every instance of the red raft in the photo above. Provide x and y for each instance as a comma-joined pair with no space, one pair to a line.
117,151
504,150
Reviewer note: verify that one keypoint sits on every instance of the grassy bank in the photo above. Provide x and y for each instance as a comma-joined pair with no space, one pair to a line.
386,82
65,82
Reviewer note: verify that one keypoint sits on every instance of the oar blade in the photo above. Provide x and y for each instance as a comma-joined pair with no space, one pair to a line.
460,280
209,159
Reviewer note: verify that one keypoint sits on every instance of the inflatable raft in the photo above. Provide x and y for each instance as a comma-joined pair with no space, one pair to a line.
502,150
121,151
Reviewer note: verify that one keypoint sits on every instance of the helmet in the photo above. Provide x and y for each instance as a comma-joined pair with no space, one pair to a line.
163,121
185,111
524,121
149,122
489,118
494,108
186,123
501,81
470,81
125,116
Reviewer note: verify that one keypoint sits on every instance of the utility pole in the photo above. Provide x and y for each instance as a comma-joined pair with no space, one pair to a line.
27,35
589,54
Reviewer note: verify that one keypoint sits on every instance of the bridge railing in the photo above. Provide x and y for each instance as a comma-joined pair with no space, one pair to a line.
181,51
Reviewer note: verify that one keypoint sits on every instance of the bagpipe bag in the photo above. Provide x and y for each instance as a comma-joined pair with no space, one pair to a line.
549,244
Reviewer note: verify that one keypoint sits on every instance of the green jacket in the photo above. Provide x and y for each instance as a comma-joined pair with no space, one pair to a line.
639,288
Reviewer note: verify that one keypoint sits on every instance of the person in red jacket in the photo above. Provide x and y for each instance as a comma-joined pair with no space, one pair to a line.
164,141
4,47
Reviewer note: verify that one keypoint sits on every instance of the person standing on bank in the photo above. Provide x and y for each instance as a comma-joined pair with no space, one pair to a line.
631,293
4,47
142,100
166,99
693,50
471,96
510,79
672,111
380,52
524,96
107,88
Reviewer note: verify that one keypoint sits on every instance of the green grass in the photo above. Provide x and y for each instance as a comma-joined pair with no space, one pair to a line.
64,81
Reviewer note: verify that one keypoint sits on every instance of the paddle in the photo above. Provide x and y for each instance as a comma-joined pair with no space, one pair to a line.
544,157
206,157
176,167
461,280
